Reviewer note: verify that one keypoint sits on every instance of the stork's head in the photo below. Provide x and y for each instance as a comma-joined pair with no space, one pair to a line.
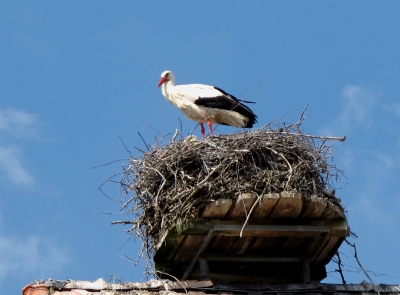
165,77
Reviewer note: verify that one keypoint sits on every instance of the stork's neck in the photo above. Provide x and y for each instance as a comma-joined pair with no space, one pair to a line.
166,87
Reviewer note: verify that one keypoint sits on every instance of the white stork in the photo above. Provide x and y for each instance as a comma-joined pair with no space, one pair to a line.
203,103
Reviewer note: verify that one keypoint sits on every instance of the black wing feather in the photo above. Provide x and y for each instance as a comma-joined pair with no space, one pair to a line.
227,101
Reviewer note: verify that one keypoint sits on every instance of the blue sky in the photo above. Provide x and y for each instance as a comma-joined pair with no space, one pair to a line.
77,75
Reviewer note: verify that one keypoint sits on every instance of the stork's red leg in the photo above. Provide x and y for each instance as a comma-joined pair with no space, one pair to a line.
209,123
203,136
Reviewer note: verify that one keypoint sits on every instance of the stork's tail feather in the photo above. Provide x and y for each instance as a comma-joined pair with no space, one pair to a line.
246,112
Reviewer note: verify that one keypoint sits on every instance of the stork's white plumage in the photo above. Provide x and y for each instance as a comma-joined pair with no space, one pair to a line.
206,104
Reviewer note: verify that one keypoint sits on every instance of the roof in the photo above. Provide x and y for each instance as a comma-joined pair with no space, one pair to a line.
100,287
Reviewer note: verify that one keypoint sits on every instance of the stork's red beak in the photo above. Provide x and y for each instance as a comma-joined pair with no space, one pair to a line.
163,79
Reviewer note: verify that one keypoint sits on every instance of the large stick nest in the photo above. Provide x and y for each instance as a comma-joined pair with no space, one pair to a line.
174,181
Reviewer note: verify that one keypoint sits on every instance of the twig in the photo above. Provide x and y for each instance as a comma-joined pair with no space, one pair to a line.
125,146
362,268
176,279
123,222
144,141
209,175
175,135
108,163
180,125
171,146
251,210
340,271
343,138
152,127
140,150
258,89
287,162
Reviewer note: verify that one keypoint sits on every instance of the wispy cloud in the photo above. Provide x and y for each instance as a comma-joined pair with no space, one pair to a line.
10,164
370,166
393,108
357,110
358,107
370,199
33,255
18,123
372,210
